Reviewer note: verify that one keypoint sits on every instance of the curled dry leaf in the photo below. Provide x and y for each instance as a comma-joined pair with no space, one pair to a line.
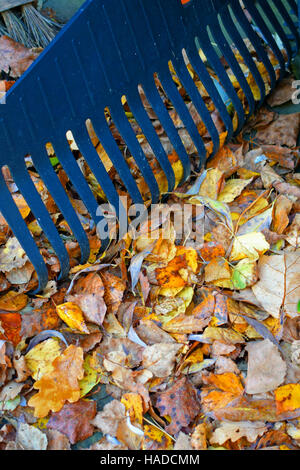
88,295
114,291
199,318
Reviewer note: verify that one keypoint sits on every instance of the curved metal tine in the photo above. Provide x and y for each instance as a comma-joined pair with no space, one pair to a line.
240,45
48,175
92,158
119,118
288,20
156,102
32,197
259,21
172,92
210,87
235,67
216,64
14,219
111,148
189,85
142,118
69,164
293,6
278,27
255,40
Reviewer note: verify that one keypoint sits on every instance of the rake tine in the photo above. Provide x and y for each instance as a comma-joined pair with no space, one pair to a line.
293,5
111,148
48,175
172,92
129,137
210,87
142,118
233,63
34,201
69,164
92,158
279,30
14,219
289,21
240,45
215,62
189,85
259,21
255,40
156,102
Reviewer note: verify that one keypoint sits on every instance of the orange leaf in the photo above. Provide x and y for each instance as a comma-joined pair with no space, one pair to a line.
60,385
228,382
13,301
11,324
287,397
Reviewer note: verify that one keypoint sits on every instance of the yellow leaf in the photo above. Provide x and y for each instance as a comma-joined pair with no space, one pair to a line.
212,184
134,404
72,315
92,374
182,300
287,397
233,188
40,358
250,245
156,439
22,205
223,334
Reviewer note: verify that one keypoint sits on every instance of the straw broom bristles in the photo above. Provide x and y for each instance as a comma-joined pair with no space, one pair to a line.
29,26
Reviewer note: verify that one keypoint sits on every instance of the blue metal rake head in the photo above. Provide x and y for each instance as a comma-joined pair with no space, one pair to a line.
105,52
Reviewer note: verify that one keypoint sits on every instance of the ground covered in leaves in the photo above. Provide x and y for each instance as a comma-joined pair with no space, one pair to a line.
163,343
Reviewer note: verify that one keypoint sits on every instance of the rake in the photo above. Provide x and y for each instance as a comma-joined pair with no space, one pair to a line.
108,50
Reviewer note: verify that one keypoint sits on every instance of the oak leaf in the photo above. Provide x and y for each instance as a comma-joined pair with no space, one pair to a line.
60,385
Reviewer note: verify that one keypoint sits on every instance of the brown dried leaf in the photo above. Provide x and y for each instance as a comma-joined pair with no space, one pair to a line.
160,358
266,368
15,56
181,403
74,420
279,284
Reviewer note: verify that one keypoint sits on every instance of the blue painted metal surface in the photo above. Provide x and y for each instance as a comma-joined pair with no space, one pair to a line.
107,50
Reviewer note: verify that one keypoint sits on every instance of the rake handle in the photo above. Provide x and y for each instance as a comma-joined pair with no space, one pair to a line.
9,4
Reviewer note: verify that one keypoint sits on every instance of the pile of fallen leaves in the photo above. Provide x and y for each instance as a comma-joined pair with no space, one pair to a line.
163,343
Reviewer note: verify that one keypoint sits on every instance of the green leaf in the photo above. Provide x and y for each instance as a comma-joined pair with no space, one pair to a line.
54,161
